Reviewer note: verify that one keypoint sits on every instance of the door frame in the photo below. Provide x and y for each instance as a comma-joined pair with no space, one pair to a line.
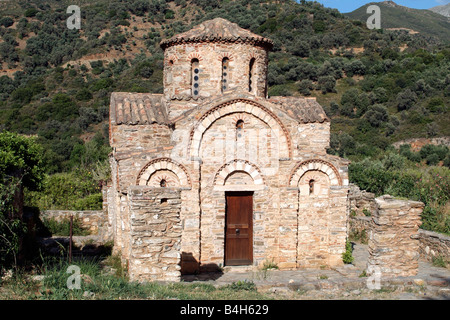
251,224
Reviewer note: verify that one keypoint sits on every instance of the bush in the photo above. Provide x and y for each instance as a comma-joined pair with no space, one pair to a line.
6,22
327,84
76,190
30,12
377,115
406,99
347,256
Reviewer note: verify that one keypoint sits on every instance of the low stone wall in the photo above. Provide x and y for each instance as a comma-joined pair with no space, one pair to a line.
393,238
94,221
431,244
434,245
360,200
359,224
155,234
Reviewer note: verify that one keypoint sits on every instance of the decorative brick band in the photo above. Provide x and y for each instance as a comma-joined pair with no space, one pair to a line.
164,164
315,164
238,165
236,106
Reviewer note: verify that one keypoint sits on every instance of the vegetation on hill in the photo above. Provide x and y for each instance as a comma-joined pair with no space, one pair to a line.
426,22
377,86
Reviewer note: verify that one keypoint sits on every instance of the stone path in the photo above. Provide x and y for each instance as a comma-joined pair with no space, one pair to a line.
347,282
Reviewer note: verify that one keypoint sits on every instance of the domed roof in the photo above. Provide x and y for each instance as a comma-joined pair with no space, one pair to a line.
217,30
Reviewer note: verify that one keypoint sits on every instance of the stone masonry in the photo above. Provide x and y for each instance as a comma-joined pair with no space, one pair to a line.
155,234
213,132
394,238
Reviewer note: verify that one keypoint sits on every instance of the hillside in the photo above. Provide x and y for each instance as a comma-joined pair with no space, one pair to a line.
394,16
55,83
443,10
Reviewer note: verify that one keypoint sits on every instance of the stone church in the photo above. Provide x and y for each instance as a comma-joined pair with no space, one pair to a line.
214,173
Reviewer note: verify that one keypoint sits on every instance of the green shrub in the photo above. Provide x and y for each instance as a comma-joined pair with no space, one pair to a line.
347,256
241,285
67,191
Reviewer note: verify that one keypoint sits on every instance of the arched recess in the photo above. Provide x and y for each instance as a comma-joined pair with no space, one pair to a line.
315,165
240,106
164,165
223,175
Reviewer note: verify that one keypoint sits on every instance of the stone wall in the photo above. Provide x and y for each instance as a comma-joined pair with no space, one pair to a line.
393,237
434,245
177,75
155,234
360,201
94,221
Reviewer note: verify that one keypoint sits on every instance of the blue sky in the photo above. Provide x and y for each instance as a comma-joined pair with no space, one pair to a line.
350,5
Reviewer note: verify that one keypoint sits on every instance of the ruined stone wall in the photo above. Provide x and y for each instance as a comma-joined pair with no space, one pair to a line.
434,245
95,222
360,201
393,237
155,234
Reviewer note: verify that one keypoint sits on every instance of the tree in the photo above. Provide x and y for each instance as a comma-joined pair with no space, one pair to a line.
406,99
20,167
327,84
355,67
6,22
377,115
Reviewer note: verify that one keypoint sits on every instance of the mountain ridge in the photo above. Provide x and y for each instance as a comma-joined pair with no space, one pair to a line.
442,9
394,16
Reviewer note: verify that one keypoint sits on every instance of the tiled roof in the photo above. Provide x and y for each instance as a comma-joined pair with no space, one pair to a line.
217,30
304,110
137,108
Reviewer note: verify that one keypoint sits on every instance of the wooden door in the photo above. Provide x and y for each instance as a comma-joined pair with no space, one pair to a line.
239,228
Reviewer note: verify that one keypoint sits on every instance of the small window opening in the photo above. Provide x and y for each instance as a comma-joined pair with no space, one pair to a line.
240,124
164,201
311,187
225,73
195,73
250,75
163,183
239,128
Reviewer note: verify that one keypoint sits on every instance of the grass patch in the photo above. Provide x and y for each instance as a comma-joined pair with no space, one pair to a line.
96,284
439,261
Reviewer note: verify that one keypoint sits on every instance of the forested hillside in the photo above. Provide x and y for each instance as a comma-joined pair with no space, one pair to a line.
377,86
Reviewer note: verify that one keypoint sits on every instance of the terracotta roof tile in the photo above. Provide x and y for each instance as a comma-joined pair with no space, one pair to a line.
304,110
217,30
137,108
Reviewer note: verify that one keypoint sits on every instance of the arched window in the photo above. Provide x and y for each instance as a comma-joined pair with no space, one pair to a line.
195,77
311,187
250,74
239,128
163,183
225,73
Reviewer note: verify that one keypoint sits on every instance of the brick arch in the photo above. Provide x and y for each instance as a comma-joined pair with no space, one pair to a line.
238,166
315,165
194,55
223,55
240,106
163,164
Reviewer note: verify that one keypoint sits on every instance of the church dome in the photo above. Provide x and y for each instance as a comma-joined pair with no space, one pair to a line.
217,30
